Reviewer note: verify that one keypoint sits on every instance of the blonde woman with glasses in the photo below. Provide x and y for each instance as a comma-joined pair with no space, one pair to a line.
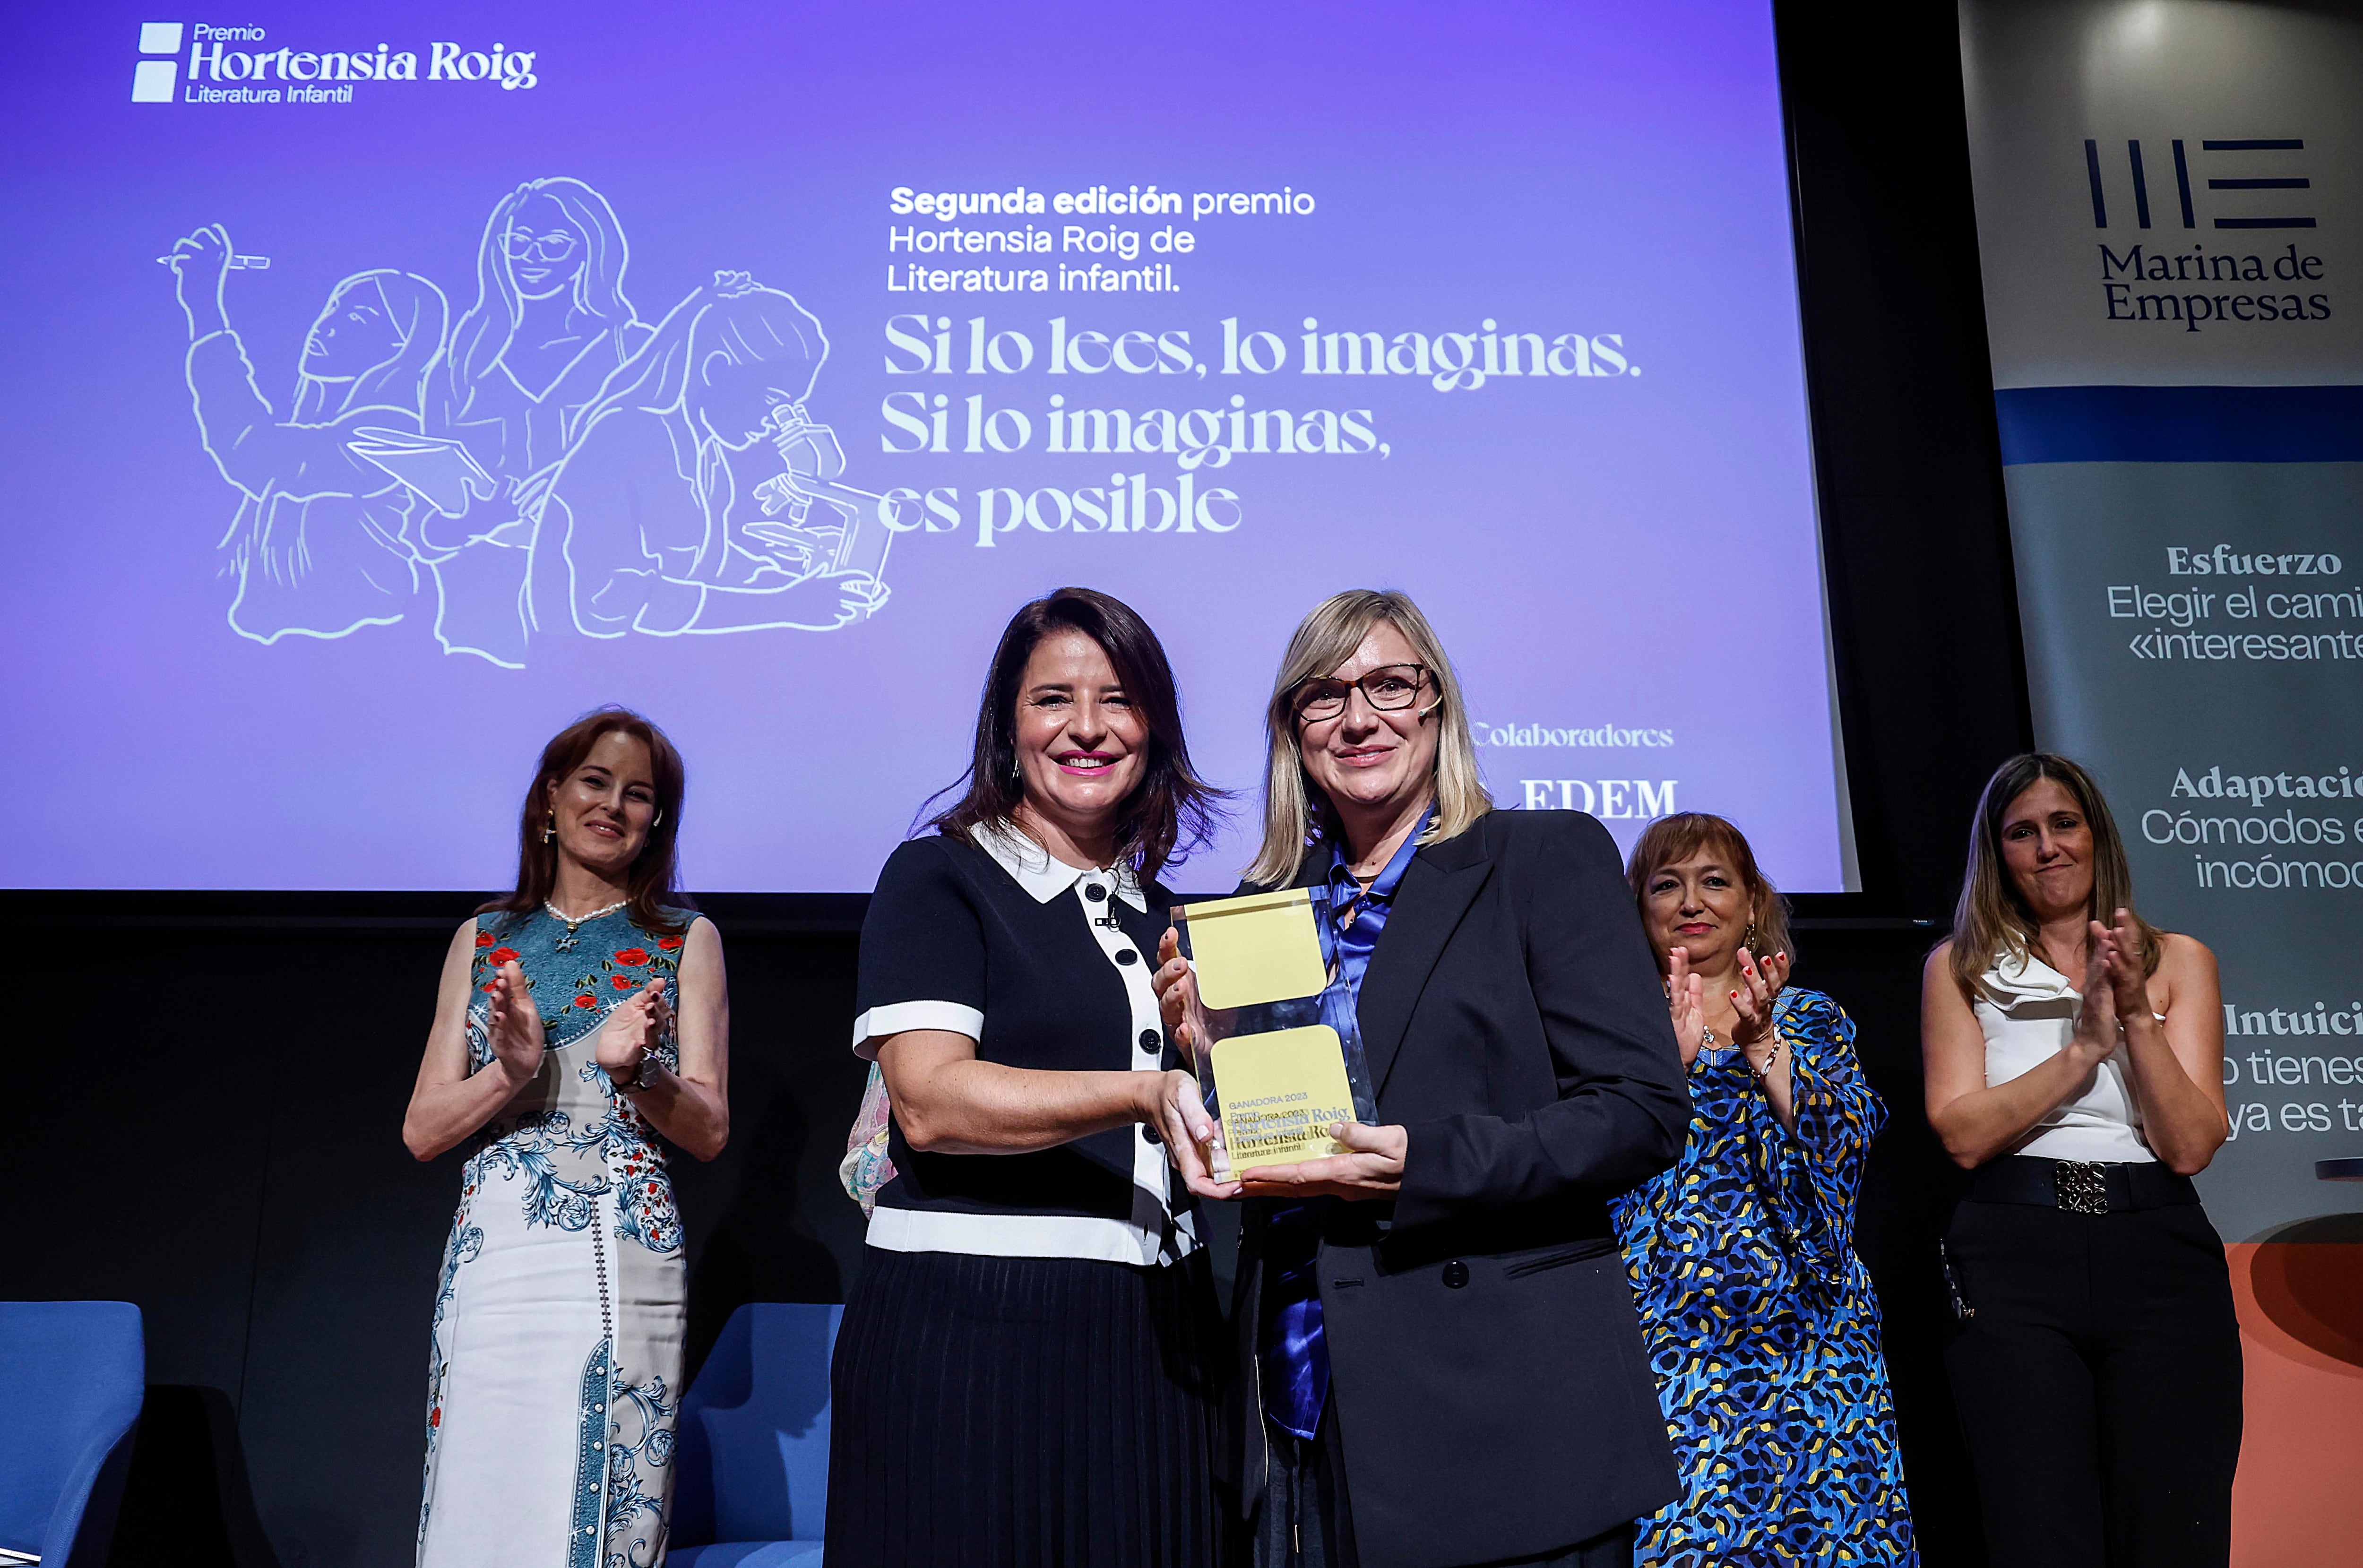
1441,1313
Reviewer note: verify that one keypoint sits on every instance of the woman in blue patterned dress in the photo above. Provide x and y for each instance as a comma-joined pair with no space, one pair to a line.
582,1024
1762,1326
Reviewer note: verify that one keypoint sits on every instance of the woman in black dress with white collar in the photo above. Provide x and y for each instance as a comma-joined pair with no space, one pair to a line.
1022,1376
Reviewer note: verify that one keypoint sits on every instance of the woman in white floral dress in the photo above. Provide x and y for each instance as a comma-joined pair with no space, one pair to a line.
582,1024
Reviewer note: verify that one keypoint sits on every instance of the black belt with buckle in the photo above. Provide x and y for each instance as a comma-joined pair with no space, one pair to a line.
2080,1187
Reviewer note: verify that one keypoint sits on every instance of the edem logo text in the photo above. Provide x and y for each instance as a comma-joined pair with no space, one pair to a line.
1616,800
238,65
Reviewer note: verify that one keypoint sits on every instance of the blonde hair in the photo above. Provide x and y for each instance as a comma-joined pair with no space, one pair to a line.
1669,841
1992,919
1295,813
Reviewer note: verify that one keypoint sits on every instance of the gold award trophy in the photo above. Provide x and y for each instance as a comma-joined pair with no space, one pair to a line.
1278,1037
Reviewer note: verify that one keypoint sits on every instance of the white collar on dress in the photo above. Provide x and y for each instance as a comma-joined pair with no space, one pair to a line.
1045,876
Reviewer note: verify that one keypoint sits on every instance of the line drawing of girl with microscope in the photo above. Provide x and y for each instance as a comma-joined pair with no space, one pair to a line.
321,544
717,550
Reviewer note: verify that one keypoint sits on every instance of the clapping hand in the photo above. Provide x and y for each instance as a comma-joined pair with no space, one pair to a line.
2096,1024
633,1031
1761,988
1686,999
2129,984
516,1025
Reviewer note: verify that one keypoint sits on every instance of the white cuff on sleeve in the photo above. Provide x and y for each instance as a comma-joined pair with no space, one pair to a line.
894,1018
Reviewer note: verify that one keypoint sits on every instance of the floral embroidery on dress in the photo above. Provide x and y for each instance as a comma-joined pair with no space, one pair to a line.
623,972
644,1204
645,1210
524,1152
464,1243
493,950
640,1432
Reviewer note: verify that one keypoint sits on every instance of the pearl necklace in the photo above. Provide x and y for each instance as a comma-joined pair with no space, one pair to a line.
576,922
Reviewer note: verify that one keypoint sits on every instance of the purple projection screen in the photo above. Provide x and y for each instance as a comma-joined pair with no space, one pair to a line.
392,383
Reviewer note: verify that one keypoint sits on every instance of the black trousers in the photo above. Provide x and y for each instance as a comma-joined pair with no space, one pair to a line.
1305,1521
2098,1383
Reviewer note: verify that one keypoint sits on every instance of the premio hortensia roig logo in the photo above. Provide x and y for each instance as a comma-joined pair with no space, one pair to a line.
200,62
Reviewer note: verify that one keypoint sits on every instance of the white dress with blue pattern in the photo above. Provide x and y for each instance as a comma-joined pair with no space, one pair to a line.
555,1373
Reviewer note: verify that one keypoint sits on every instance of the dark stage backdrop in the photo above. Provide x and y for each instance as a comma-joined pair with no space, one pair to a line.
213,1086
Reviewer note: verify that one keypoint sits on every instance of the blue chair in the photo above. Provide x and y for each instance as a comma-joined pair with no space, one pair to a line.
75,1371
750,1479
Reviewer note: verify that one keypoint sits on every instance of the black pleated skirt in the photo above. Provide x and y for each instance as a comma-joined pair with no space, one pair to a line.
1023,1413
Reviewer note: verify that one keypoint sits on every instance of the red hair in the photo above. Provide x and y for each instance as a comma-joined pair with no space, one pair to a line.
1669,841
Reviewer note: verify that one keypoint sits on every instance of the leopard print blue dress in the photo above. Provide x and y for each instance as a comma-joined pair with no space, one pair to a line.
1761,1323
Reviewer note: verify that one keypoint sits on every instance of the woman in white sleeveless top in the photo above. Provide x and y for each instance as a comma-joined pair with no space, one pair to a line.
2076,1066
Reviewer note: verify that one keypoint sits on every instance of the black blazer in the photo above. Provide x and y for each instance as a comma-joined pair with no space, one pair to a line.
1491,1393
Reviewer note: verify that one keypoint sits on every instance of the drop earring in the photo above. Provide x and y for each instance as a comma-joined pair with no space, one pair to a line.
1749,941
550,833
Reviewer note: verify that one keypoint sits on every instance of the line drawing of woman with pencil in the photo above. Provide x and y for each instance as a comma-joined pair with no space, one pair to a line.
322,543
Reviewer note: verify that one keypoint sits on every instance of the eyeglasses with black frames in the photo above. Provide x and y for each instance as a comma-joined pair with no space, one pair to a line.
1389,688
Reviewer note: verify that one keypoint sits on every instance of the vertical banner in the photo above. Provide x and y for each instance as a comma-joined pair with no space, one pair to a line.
2169,199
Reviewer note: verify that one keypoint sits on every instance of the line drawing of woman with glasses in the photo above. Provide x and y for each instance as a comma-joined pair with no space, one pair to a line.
321,545
549,324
